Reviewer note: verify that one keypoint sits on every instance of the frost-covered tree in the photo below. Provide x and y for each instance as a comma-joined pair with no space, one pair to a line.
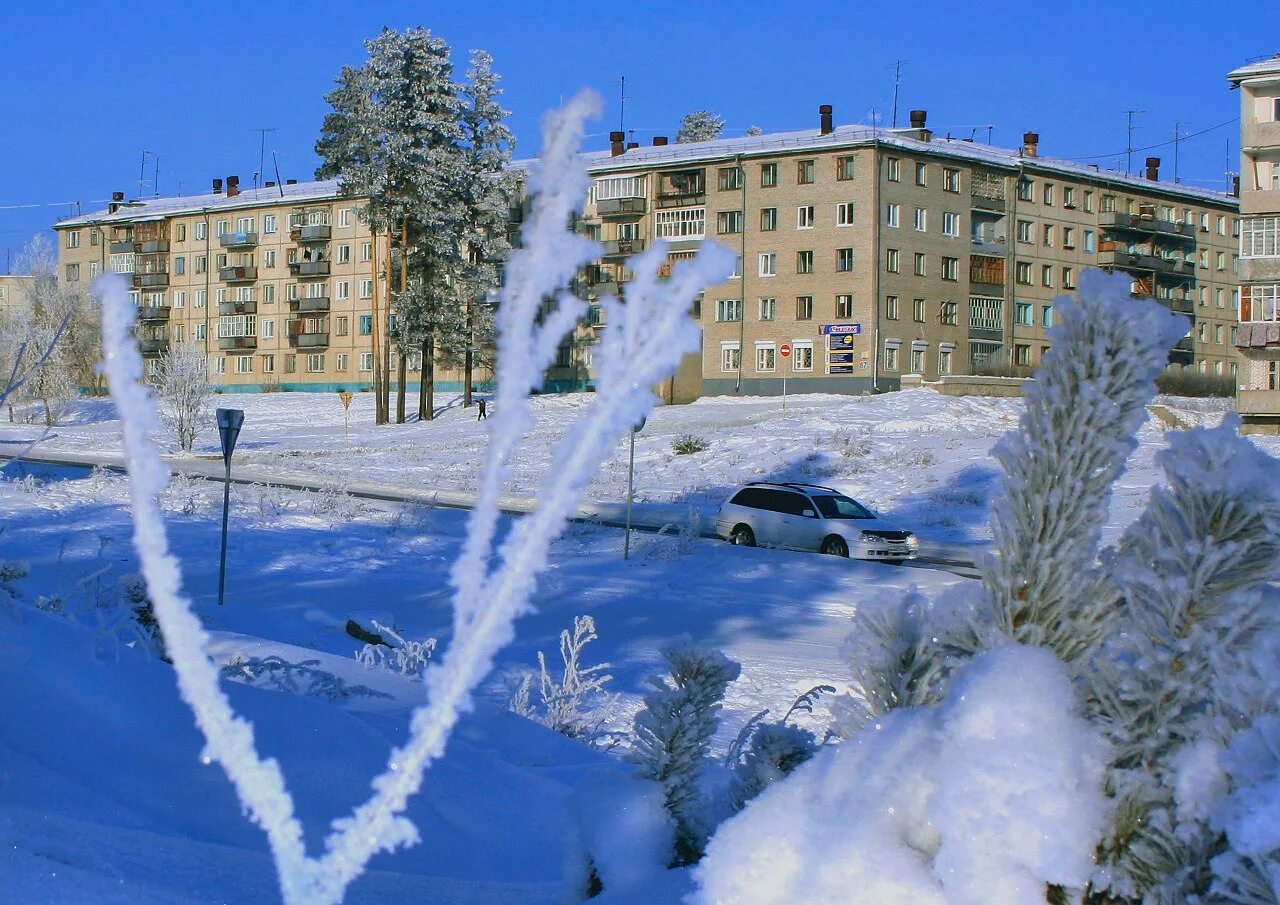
753,131
577,704
700,125
182,383
673,734
774,752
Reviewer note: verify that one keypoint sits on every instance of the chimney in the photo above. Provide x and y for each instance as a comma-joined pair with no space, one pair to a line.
1030,144
824,120
271,185
1153,168
616,146
217,186
291,182
1235,186
117,198
659,141
918,118
632,145
233,186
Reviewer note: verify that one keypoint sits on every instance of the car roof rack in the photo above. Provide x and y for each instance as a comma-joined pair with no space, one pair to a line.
792,484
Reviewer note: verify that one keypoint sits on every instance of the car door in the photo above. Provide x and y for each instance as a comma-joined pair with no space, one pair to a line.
787,524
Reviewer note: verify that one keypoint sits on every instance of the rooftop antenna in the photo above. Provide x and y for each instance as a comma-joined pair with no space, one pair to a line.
897,78
990,128
622,103
262,148
279,181
157,185
142,171
1128,165
1177,138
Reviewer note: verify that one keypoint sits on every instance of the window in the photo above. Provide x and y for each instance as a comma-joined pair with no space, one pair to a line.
366,361
1218,298
891,212
1022,273
891,307
891,260
366,251
730,357
731,178
344,217
344,289
949,313
268,224
919,264
804,262
73,238
1222,223
202,298
95,270
179,234
1047,194
1220,260
202,263
268,328
921,220
1068,278
890,357
844,260
1260,237
315,363
681,223
268,293
1088,201
201,231
802,356
1048,236
366,289
729,222
73,272
244,364
344,254
366,325
917,357
917,310
804,216
844,168
1046,275
768,309
269,258
180,298
844,213
1026,190
737,268
804,172
766,356
768,178
199,333
944,361
238,325
1024,231
342,325
768,219
922,174
1022,355
950,180
1046,315
893,169
951,269
268,364
1217,334
219,365
1089,241
768,264
1023,314
729,310
804,308
340,361
844,307
950,224
1068,237
224,227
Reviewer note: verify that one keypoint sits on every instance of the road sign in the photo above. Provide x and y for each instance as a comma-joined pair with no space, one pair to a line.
785,350
344,396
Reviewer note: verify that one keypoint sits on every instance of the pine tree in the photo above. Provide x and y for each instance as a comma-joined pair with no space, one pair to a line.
700,125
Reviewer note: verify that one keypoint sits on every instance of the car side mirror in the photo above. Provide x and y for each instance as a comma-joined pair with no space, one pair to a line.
808,513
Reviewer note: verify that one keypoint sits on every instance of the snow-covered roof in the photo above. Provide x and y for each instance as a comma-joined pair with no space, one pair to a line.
600,162
1269,66
157,208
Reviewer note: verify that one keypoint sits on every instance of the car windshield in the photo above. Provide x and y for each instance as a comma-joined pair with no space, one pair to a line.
841,507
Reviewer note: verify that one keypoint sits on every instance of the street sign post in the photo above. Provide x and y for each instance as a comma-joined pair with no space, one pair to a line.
344,396
785,352
229,424
631,471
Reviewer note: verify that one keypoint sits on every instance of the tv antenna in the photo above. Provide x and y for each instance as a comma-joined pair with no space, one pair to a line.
622,104
897,79
262,149
1128,150
1177,139
142,171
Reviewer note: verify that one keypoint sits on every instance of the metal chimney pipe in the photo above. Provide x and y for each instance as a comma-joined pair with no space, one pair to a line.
616,143
825,126
1153,168
1030,144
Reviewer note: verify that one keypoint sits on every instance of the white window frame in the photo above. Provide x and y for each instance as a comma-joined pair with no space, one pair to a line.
892,214
768,309
680,223
766,356
244,364
805,216
801,355
728,311
730,357
846,211
768,262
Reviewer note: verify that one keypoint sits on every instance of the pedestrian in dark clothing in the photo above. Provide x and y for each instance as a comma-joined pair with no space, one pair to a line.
483,414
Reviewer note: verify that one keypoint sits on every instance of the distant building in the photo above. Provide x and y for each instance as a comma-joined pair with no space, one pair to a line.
873,253
13,291
1258,336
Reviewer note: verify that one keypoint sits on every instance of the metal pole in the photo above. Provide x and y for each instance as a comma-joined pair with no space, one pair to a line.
631,470
784,393
222,560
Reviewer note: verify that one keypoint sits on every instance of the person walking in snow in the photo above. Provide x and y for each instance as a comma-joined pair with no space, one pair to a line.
483,414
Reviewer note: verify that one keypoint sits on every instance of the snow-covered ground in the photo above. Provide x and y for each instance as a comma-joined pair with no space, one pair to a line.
102,794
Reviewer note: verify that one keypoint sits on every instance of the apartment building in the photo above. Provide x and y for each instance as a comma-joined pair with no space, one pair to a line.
1258,396
13,291
276,284
865,254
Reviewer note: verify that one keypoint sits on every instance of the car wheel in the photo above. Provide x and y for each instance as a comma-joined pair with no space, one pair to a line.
835,546
742,536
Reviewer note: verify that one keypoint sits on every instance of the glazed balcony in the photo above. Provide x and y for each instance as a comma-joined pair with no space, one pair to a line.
987,271
238,240
237,343
240,273
314,305
153,313
309,269
1147,223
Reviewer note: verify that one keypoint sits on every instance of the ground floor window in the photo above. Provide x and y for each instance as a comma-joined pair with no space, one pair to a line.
315,363
730,357
766,356
802,357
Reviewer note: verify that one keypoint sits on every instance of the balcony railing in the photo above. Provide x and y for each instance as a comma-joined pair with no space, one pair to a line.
986,203
620,207
148,346
152,280
238,240
237,343
240,273
121,246
617,248
318,304
151,246
309,268
238,306
1146,224
989,245
314,232
153,313
1143,261
308,340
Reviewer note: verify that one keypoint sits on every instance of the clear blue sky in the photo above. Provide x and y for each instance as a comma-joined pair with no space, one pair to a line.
89,86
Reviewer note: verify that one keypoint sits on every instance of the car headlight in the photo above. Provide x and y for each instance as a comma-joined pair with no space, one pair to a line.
867,536
913,542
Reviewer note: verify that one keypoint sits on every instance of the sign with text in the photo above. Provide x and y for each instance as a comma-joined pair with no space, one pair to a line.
840,342
841,329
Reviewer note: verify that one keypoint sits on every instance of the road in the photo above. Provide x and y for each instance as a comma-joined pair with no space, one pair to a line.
647,517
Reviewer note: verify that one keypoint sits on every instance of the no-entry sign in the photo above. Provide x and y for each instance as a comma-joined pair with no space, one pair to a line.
785,350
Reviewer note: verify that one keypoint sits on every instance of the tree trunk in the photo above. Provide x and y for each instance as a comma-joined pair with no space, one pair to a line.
404,288
427,384
469,359
379,413
400,373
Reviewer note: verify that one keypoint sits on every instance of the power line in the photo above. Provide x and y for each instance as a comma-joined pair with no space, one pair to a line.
1152,147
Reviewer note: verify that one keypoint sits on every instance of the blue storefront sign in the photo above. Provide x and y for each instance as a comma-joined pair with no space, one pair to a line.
841,329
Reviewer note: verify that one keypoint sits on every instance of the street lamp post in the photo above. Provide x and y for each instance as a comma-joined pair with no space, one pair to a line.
631,472
229,423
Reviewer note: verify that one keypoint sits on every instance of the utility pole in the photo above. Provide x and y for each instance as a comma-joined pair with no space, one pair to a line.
1177,138
262,149
897,79
1128,150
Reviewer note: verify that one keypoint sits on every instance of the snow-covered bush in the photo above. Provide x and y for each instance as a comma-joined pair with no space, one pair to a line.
575,705
675,541
673,734
11,572
687,444
774,751
336,503
302,678
182,383
397,654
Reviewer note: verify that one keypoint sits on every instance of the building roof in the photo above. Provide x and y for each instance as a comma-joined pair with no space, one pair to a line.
157,208
600,162
1269,66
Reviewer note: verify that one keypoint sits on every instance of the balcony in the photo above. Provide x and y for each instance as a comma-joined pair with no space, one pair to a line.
317,305
315,232
237,343
1146,224
238,240
987,272
153,313
156,279
621,248
1257,402
309,340
149,346
606,285
121,246
1183,351
1126,260
622,207
307,269
986,203
241,273
237,306
989,245
151,247
1260,136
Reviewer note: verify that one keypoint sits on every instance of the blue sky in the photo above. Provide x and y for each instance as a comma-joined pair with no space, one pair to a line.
91,86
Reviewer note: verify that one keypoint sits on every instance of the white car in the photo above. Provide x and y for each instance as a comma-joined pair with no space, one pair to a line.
811,517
